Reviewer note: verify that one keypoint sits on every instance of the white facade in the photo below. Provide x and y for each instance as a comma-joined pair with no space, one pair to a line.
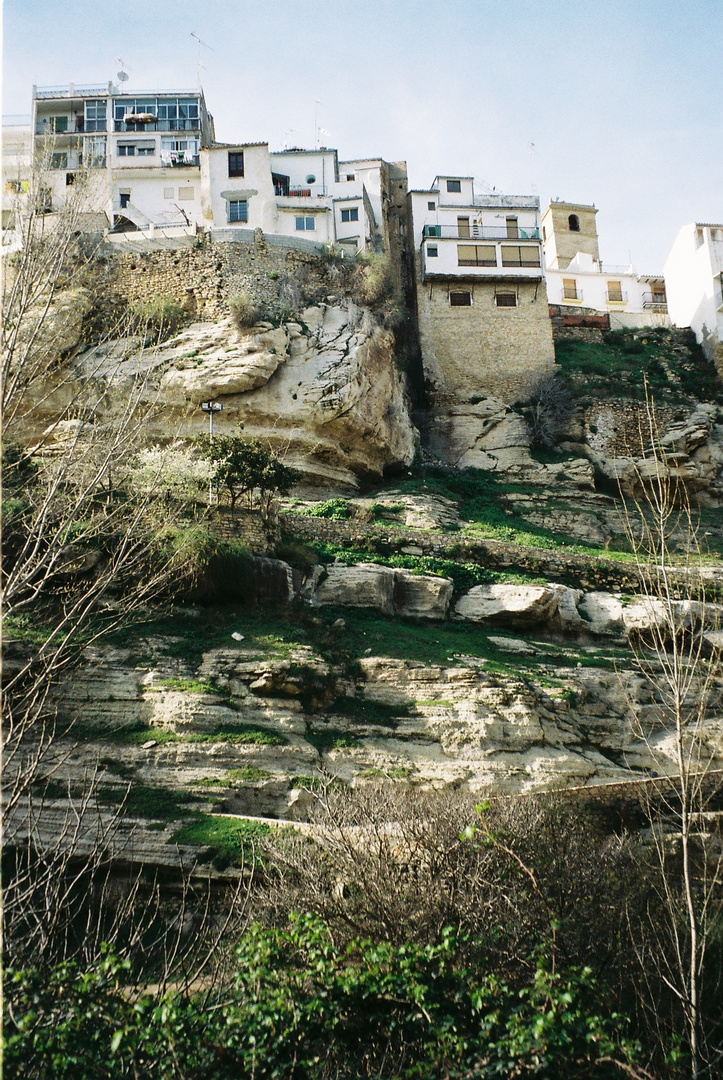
576,277
236,187
459,234
694,282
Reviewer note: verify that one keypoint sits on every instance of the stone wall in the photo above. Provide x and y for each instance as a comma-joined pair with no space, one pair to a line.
482,351
257,532
583,571
578,324
205,276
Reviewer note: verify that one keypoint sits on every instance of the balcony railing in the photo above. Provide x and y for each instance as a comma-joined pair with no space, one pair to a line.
620,297
571,294
192,124
71,90
480,232
180,159
298,191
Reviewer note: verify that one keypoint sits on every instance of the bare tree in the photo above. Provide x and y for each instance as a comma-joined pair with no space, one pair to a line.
678,652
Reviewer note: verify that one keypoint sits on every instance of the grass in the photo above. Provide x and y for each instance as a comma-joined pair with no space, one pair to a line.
246,774
142,800
232,840
137,733
627,359
329,738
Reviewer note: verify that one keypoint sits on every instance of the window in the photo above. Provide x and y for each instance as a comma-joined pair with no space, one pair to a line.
95,115
126,149
432,251
454,186
476,255
615,292
350,215
58,123
59,161
186,194
95,152
431,206
506,299
512,255
512,230
351,176
305,223
460,299
168,192
658,292
569,289
432,230
235,163
462,226
573,223
125,198
69,179
238,209
544,233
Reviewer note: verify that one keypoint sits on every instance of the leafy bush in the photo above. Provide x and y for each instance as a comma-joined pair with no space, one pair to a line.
336,509
246,468
373,281
176,469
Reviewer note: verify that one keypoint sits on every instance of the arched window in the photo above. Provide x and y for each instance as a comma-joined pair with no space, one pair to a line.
574,222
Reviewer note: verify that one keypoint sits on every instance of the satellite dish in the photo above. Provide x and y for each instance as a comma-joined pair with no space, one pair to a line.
122,76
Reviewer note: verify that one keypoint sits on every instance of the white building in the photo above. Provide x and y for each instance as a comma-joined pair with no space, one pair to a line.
576,276
141,151
694,283
481,304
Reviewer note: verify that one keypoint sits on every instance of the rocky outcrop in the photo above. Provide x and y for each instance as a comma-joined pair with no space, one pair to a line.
364,585
508,605
325,392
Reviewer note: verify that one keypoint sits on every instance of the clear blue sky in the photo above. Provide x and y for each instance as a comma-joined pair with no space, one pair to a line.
616,102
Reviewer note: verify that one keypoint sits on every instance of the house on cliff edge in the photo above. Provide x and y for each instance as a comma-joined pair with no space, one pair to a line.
481,301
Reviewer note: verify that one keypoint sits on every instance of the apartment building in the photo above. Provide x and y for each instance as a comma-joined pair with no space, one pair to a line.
694,284
577,277
481,301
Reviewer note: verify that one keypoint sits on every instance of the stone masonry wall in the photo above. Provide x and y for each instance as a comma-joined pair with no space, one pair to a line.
205,276
567,567
480,351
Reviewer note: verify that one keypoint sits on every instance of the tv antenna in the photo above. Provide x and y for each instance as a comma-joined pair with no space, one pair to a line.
206,46
122,75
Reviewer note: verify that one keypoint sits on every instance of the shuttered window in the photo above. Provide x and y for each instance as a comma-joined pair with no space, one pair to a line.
569,289
476,255
514,255
238,210
615,292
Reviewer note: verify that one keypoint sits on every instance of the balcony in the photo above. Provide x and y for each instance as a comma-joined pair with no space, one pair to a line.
179,160
294,191
572,296
189,124
71,90
619,296
481,232
655,302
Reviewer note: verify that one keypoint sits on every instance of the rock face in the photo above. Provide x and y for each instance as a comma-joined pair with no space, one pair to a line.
324,392
364,585
508,605
421,596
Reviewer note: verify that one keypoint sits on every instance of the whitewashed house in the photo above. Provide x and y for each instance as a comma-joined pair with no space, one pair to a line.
694,283
140,151
576,277
481,303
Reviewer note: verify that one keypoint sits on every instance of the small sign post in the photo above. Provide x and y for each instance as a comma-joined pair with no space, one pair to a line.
211,407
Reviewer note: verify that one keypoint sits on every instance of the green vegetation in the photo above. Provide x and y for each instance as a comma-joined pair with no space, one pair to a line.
232,840
158,318
246,468
329,738
143,800
336,509
246,774
464,575
628,359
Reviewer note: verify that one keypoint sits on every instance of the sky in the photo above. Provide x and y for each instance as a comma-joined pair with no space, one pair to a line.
613,102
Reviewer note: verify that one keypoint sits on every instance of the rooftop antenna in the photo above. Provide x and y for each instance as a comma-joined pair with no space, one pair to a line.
316,126
206,46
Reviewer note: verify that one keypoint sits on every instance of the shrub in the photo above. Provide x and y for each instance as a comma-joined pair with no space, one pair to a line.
373,281
160,317
335,509
245,312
